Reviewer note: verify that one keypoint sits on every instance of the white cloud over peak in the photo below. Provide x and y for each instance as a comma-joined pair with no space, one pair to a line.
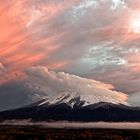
52,84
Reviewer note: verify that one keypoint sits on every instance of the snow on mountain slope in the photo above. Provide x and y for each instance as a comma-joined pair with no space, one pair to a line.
73,99
60,87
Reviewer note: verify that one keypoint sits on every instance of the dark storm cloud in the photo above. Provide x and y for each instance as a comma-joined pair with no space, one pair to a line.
15,94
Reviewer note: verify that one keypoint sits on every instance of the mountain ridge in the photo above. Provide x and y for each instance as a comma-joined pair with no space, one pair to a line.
101,111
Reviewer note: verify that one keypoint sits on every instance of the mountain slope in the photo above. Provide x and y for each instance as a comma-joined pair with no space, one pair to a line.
73,110
74,99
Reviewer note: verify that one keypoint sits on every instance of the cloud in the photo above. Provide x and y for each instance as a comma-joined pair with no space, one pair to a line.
52,83
36,33
15,94
89,38
2,68
135,99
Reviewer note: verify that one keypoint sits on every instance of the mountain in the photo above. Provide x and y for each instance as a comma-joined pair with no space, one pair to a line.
77,99
67,107
57,88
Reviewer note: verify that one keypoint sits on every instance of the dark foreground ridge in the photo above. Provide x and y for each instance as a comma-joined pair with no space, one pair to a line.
39,133
96,112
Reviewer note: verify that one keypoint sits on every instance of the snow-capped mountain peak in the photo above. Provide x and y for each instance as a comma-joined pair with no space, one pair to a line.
74,99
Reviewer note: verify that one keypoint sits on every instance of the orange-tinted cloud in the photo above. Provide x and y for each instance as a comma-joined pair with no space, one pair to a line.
84,37
21,42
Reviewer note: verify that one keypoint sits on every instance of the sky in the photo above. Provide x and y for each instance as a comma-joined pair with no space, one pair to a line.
93,39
